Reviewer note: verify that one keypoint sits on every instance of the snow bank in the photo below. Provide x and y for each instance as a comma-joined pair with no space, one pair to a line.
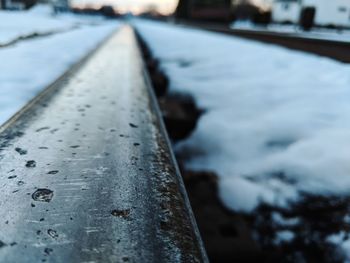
38,20
277,121
29,66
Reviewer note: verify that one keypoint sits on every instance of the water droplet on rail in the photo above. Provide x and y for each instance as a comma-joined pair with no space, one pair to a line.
30,164
52,233
48,251
42,129
2,244
53,172
21,151
53,131
121,213
42,195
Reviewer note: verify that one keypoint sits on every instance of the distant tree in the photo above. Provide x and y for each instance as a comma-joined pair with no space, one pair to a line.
212,3
247,10
204,9
183,9
107,11
2,4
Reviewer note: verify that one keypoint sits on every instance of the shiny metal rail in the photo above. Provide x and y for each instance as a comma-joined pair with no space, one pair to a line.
87,174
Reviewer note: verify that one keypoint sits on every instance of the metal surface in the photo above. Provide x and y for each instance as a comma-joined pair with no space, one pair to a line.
87,174
338,50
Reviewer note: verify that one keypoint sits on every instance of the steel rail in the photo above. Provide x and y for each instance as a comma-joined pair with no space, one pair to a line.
87,173
335,49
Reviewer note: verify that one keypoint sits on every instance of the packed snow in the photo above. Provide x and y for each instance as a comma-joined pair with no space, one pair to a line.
30,65
276,123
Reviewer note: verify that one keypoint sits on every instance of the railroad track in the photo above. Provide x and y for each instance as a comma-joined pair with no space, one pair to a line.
87,171
335,49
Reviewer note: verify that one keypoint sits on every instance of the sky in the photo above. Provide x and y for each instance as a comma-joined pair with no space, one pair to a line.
264,4
135,6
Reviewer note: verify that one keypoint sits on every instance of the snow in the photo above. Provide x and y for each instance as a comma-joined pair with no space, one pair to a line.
277,121
284,236
280,220
30,65
38,20
342,240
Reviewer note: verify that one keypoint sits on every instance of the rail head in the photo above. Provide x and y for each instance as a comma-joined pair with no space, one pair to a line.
88,174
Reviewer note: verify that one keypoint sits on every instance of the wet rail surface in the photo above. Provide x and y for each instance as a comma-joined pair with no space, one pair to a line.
338,50
87,174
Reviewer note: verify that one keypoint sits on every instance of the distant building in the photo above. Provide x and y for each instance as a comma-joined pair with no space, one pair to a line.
312,12
286,11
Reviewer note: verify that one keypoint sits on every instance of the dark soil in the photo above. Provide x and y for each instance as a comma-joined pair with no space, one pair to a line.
226,235
180,115
237,237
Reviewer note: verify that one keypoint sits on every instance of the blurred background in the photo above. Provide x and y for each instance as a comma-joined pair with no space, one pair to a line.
304,13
